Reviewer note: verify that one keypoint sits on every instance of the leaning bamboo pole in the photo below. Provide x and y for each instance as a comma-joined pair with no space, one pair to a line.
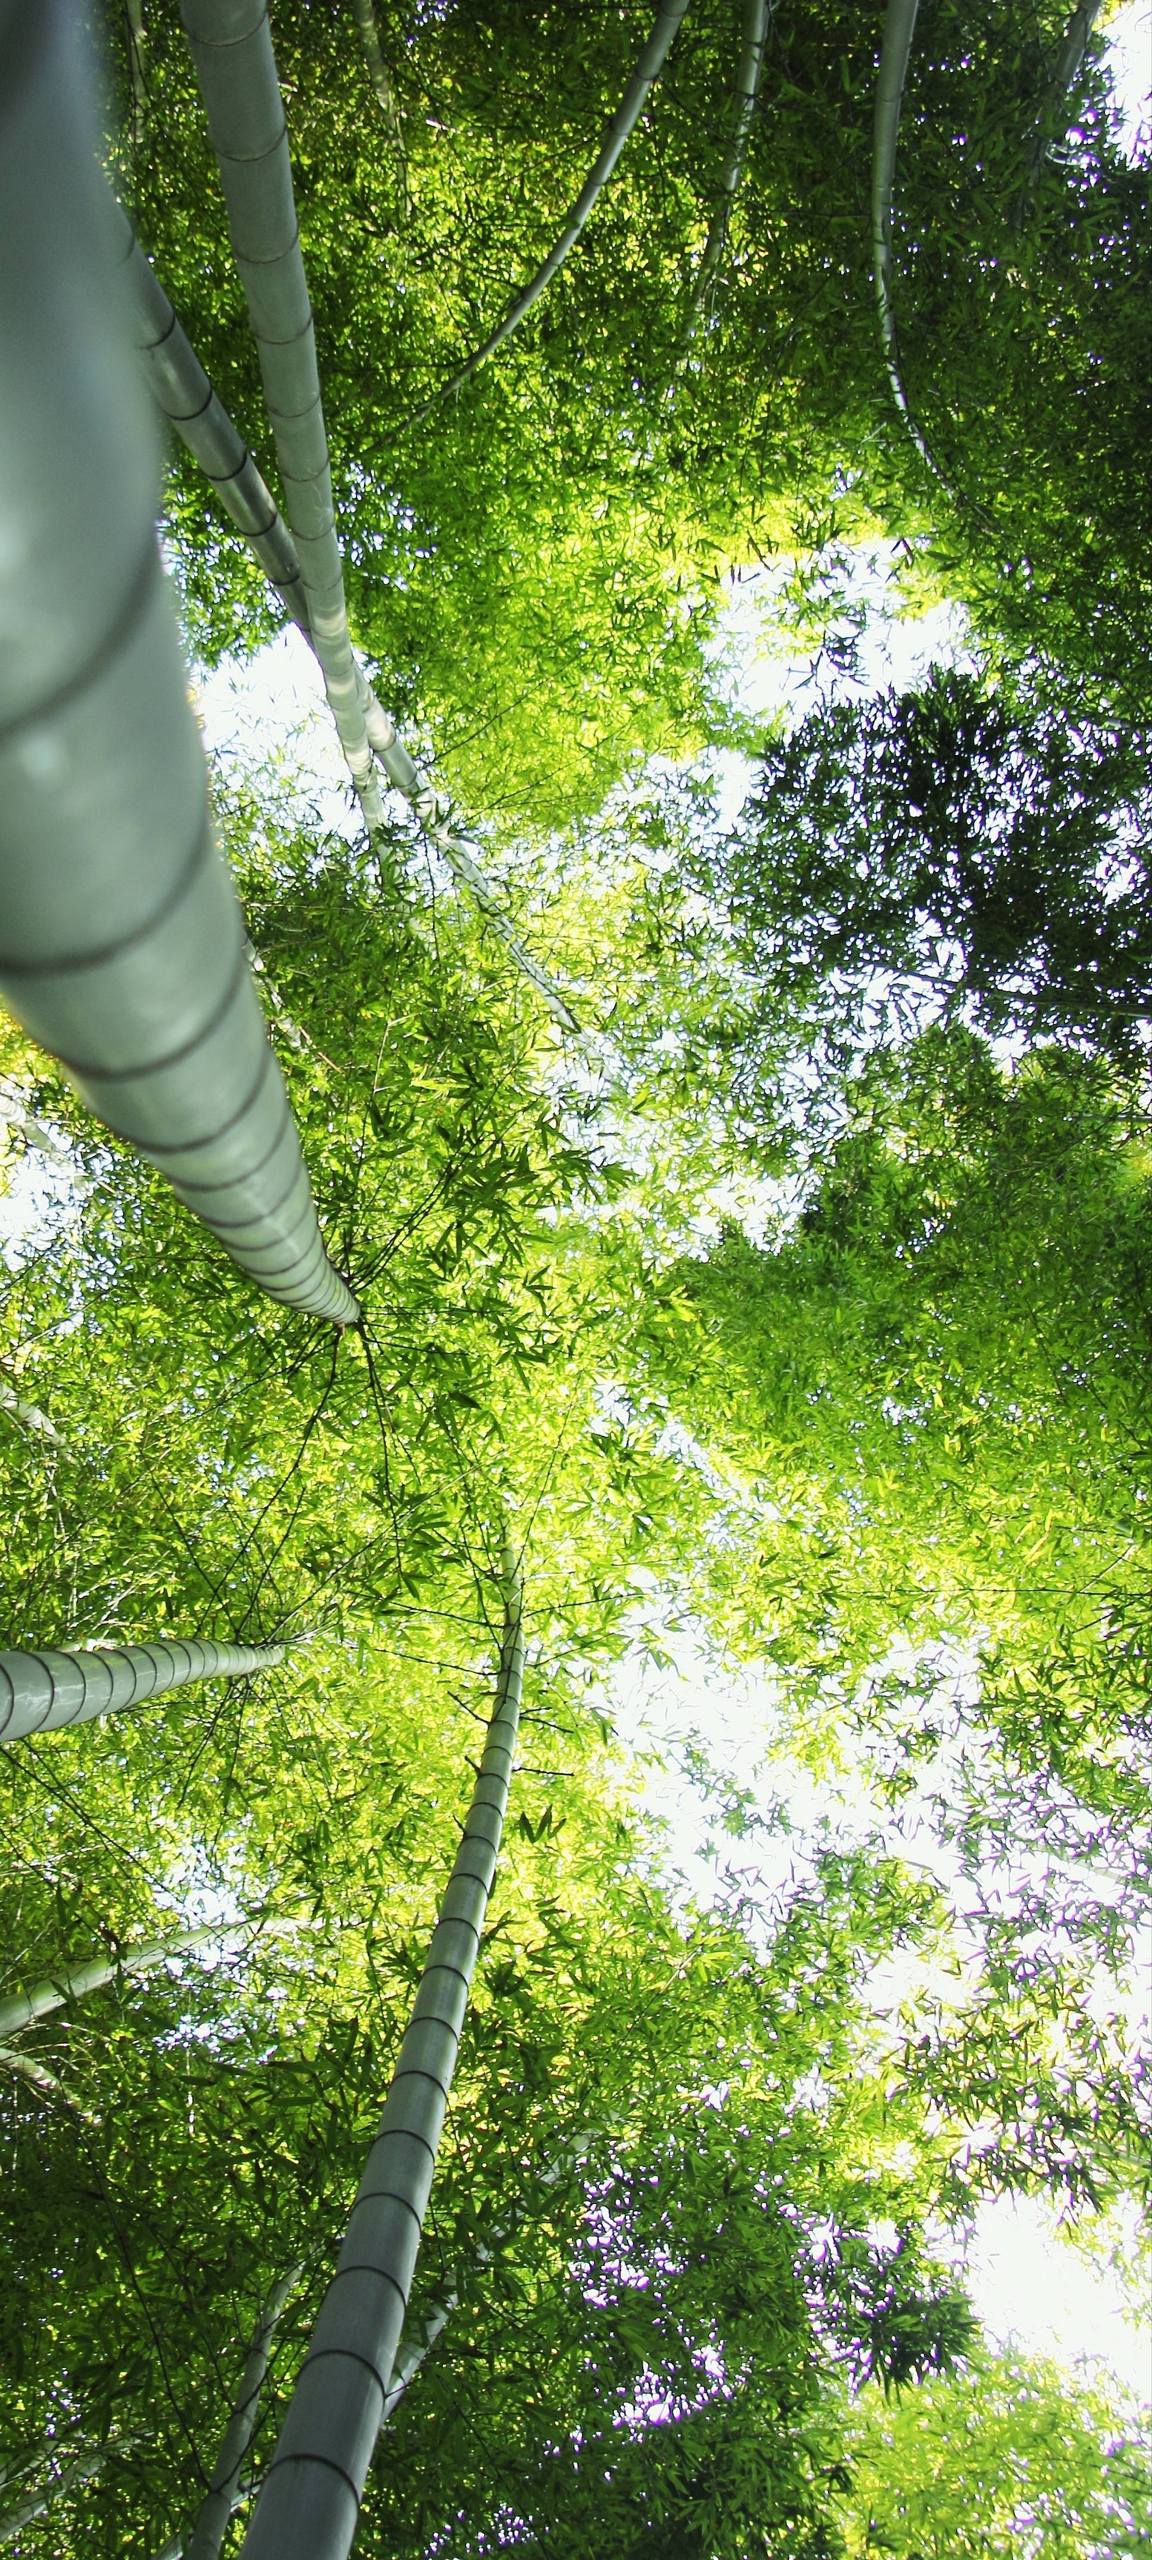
22,2008
39,1692
309,2500
648,66
754,43
122,946
220,2498
381,81
185,396
895,55
236,69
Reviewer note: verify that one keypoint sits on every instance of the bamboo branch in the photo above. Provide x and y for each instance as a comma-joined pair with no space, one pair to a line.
122,946
40,1692
207,2535
182,390
620,129
385,93
757,17
236,68
28,2066
309,2499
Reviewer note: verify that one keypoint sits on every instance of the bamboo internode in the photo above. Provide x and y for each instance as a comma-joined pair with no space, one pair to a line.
41,1691
122,946
310,2498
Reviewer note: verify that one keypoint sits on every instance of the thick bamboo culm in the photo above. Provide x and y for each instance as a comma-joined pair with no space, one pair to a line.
895,55
39,1692
236,69
185,396
754,41
122,946
309,2499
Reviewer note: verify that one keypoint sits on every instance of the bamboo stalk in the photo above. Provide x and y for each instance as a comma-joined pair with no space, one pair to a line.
71,2475
207,2535
309,2499
28,2066
183,392
754,43
22,2008
1053,111
236,69
895,54
40,1692
649,64
122,946
385,93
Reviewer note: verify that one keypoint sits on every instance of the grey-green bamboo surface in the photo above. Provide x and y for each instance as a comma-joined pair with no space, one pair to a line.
236,69
648,66
895,54
220,2498
185,396
309,2499
754,41
21,2008
41,1691
122,946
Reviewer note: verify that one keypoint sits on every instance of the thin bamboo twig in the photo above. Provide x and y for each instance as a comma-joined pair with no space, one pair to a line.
757,18
309,2500
122,946
622,125
207,2534
385,93
236,69
185,395
40,1692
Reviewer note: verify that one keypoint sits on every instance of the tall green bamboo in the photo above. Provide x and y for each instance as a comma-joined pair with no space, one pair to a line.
895,54
648,66
122,946
309,2499
22,2008
754,42
236,68
385,93
183,392
222,2494
41,1691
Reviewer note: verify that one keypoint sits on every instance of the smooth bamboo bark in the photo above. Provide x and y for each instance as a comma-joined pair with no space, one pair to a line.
28,2066
122,946
22,2008
621,127
184,394
1053,104
895,54
757,18
236,69
207,2535
309,2499
71,2475
385,93
40,1692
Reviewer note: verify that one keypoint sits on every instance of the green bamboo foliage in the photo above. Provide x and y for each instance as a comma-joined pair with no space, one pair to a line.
309,2500
754,43
122,947
895,54
1053,112
222,2494
183,392
39,1692
649,64
236,68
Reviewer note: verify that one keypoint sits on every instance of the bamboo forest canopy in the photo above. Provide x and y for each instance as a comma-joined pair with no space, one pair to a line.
725,1241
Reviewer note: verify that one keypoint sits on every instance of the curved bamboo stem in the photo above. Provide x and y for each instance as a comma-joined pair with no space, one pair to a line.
236,69
385,93
309,2499
40,1692
185,395
122,946
895,54
1053,104
757,18
648,66
207,2534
